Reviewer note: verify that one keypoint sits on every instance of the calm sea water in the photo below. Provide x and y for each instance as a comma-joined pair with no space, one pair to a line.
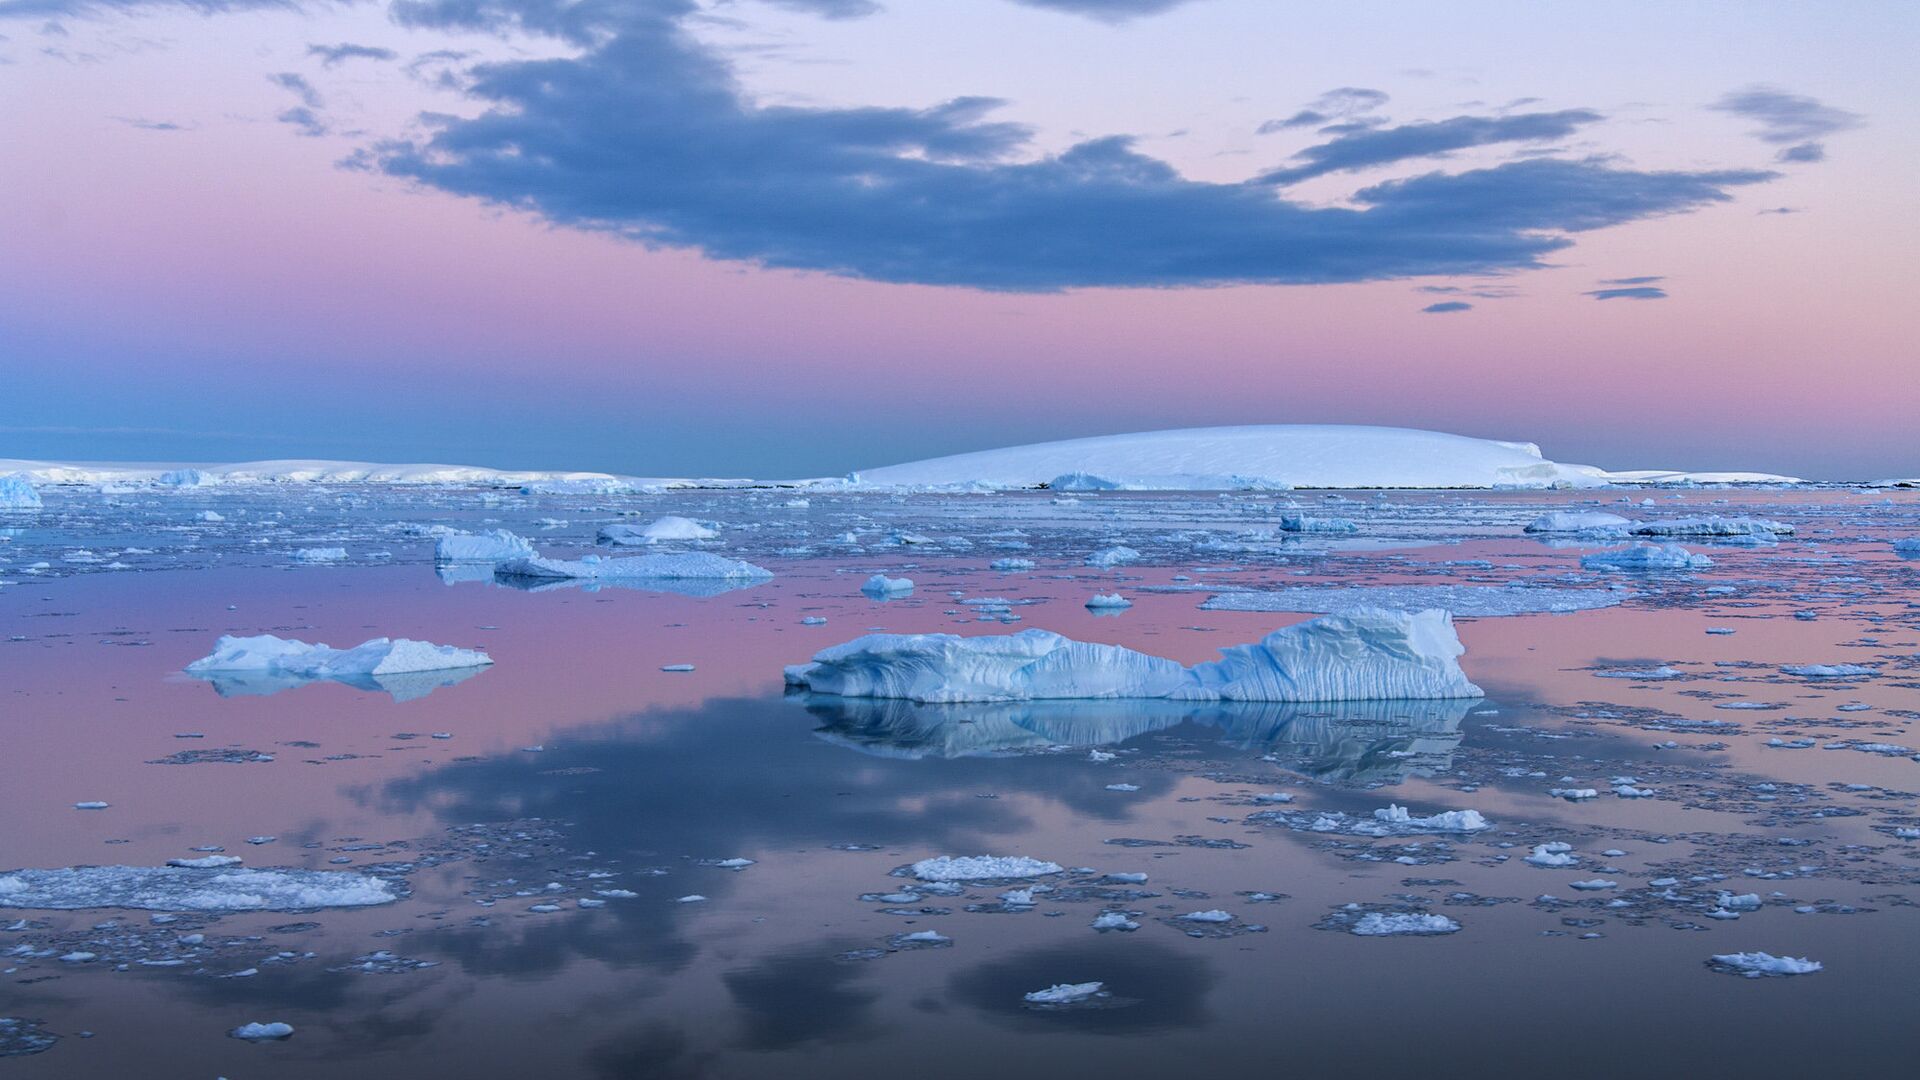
575,768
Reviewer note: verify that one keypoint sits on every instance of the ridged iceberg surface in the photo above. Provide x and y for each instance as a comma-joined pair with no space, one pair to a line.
1361,656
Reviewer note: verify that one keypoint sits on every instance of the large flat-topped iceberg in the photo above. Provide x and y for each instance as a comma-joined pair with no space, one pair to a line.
1272,455
1362,656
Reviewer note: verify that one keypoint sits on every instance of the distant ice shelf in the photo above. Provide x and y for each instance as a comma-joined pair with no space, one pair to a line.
1360,656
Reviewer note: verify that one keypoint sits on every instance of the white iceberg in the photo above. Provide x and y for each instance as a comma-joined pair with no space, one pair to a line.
1756,965
669,528
1108,602
1364,656
1108,558
17,493
1305,523
1645,557
320,554
267,654
882,585
1588,521
1713,526
153,888
1828,671
1065,993
259,1032
496,546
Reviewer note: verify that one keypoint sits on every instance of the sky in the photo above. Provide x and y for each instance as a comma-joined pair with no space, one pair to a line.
784,238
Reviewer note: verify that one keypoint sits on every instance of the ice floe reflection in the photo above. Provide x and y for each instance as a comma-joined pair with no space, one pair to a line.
401,686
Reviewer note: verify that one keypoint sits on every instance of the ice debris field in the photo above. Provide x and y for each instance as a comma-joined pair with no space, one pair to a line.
1078,740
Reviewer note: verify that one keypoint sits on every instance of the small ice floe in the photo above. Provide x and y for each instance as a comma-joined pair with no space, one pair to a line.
175,888
1066,993
813,620
1273,797
1018,898
1108,602
1552,855
1574,794
206,862
729,864
920,939
1828,671
1742,902
91,805
1720,631
1590,522
1011,564
1365,656
1406,923
1907,547
1100,755
1116,921
676,667
1594,884
1714,527
258,1032
691,898
1656,674
1213,916
982,868
1451,821
666,529
212,516
880,585
1758,965
1645,557
320,554
1305,523
658,566
1123,787
496,546
17,493
1108,558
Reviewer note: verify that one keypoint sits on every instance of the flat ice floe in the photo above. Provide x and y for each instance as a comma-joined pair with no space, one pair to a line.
166,888
669,528
1713,526
1469,601
495,546
1362,656
1758,965
660,566
1577,522
1394,924
1646,557
982,868
266,664
1065,993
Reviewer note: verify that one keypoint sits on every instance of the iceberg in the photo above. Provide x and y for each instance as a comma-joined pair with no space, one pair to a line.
1645,557
495,546
320,555
1756,965
1579,522
660,566
401,667
671,527
16,493
1065,993
1713,526
1366,655
156,888
880,585
1304,523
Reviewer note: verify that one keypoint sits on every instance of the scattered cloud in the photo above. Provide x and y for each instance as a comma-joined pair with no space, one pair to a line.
1446,306
334,55
306,115
1368,148
42,9
1647,279
829,9
1344,103
144,124
1636,292
1794,122
1113,11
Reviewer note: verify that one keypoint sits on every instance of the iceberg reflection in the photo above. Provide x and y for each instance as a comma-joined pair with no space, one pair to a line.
401,686
1341,741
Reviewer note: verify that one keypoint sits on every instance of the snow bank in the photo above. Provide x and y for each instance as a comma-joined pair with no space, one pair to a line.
660,566
270,655
151,888
16,493
982,868
1645,557
496,546
1579,522
669,528
1471,601
1369,655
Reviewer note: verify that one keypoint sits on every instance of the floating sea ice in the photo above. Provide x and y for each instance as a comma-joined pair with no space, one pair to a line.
1713,526
1065,993
90,805
1213,916
1379,924
1591,521
813,620
692,898
496,546
1011,564
1366,656
1594,884
1646,557
1451,821
1552,855
207,862
1756,965
270,655
1303,523
16,493
1107,558
180,889
320,554
882,585
258,1032
1827,671
1114,920
659,566
1108,602
669,528
1574,794
982,868
676,667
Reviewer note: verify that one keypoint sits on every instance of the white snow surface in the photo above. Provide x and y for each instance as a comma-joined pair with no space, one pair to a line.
1361,656
166,888
272,655
982,868
658,566
1263,456
1469,601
